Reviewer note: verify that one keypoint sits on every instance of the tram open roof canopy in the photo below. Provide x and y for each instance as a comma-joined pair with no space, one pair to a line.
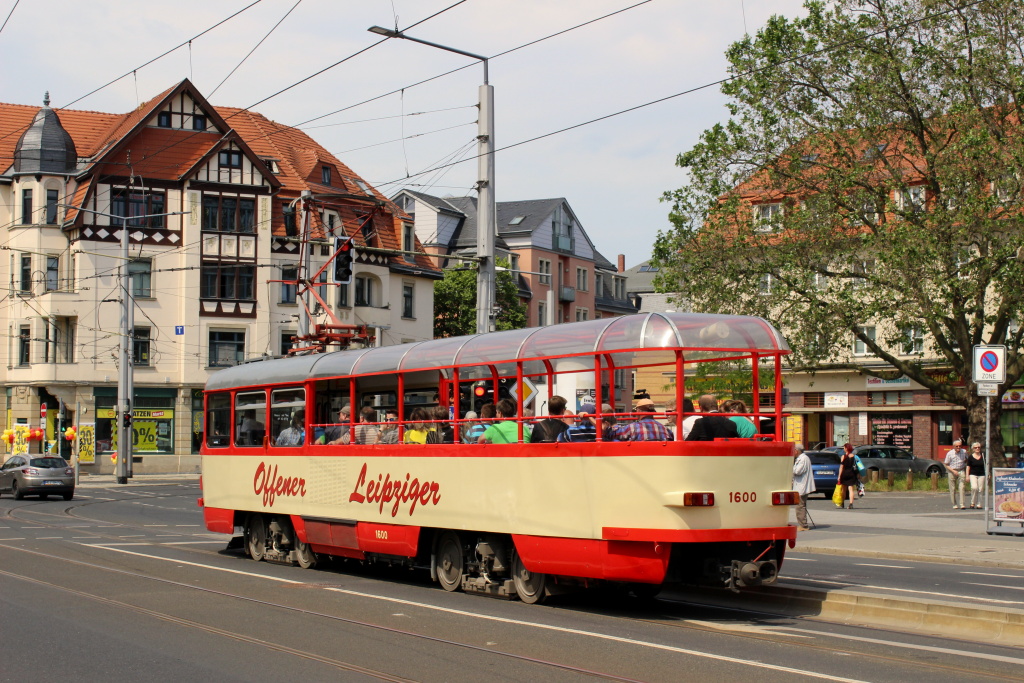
712,335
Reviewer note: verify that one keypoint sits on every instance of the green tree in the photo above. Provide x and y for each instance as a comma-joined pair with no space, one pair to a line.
455,302
869,174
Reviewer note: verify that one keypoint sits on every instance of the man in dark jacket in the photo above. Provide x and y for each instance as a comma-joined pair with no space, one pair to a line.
548,429
711,425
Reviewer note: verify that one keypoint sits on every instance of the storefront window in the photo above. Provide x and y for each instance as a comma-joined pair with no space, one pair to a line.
840,429
893,429
152,423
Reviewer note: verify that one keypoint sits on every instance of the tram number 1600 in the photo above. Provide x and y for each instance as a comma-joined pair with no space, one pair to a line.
742,497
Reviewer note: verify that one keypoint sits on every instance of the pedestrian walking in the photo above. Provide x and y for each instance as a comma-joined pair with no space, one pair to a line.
848,473
976,471
956,461
803,484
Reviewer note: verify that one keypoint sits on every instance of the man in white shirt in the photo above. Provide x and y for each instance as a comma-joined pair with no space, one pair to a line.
956,463
803,483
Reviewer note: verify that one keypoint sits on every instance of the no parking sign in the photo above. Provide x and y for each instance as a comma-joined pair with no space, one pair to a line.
990,364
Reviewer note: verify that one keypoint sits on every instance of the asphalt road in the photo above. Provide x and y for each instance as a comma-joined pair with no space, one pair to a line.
124,584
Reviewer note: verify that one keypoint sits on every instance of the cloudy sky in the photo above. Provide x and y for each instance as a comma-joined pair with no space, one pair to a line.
612,172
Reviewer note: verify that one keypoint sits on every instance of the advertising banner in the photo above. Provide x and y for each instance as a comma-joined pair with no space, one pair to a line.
1008,487
87,443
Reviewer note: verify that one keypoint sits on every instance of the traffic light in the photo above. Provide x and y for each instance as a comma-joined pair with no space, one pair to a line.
343,260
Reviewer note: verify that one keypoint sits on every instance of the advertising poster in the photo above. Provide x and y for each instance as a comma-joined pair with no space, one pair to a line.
20,445
1008,487
87,443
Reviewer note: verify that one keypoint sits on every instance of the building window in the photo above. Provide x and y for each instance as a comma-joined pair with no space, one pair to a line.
913,341
364,291
912,199
26,207
286,342
363,186
140,346
1006,188
229,158
542,314
368,232
163,119
620,287
330,223
581,279
272,165
227,282
228,214
598,284
343,290
859,347
52,273
26,273
767,217
133,205
51,206
407,301
862,270
325,175
582,314
288,289
24,345
544,267
408,238
226,348
141,273
60,335
766,284
291,227
198,122
562,229
891,398
814,399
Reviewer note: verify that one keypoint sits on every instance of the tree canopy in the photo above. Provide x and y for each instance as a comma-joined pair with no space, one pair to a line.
867,180
455,302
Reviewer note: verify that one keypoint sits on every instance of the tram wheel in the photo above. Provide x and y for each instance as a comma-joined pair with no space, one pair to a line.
304,555
530,587
449,561
256,537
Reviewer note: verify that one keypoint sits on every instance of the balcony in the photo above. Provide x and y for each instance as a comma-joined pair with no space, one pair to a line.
566,294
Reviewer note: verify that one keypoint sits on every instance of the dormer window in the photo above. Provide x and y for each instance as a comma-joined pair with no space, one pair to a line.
325,175
163,119
874,151
230,159
198,122
272,165
363,186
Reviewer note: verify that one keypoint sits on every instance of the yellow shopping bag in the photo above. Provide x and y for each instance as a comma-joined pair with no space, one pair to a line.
837,496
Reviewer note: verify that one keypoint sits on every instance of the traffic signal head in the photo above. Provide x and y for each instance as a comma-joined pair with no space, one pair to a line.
343,260
480,390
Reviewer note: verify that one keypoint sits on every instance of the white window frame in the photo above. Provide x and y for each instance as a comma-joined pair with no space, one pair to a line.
912,200
767,216
766,284
859,347
544,267
913,341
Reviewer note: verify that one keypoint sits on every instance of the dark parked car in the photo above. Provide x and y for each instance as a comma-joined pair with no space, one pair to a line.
41,476
887,459
825,470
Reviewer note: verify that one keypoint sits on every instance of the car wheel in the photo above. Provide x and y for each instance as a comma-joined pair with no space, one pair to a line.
16,492
69,495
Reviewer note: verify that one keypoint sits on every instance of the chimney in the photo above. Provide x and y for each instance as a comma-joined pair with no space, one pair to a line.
622,263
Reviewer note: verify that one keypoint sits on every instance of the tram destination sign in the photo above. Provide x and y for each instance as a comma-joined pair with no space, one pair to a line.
990,364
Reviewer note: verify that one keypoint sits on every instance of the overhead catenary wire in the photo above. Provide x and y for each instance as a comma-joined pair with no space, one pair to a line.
255,47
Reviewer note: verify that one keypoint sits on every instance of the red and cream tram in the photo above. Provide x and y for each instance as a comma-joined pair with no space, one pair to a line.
519,519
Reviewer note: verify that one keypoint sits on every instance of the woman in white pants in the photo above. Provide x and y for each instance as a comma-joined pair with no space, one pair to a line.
976,470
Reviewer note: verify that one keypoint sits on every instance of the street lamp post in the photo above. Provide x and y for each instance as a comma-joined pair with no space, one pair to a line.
486,211
125,369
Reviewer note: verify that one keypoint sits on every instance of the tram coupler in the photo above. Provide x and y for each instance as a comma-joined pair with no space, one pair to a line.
746,574
481,585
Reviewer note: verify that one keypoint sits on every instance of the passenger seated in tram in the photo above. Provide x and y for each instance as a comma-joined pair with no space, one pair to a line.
474,432
251,430
711,425
506,431
744,427
418,430
548,429
468,423
608,422
584,429
389,430
441,431
337,434
646,428
295,432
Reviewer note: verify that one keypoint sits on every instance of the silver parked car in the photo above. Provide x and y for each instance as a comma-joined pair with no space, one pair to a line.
25,475
887,459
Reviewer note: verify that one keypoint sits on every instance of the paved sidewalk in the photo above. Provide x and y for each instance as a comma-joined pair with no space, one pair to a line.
910,526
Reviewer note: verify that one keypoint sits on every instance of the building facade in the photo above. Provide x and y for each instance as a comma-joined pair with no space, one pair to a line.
214,284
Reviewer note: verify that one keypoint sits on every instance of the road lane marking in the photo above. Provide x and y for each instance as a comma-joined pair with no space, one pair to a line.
506,620
154,525
12,539
995,576
884,566
996,585
745,628
790,558
49,538
956,596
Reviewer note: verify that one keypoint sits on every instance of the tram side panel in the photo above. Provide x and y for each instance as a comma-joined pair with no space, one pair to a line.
596,510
